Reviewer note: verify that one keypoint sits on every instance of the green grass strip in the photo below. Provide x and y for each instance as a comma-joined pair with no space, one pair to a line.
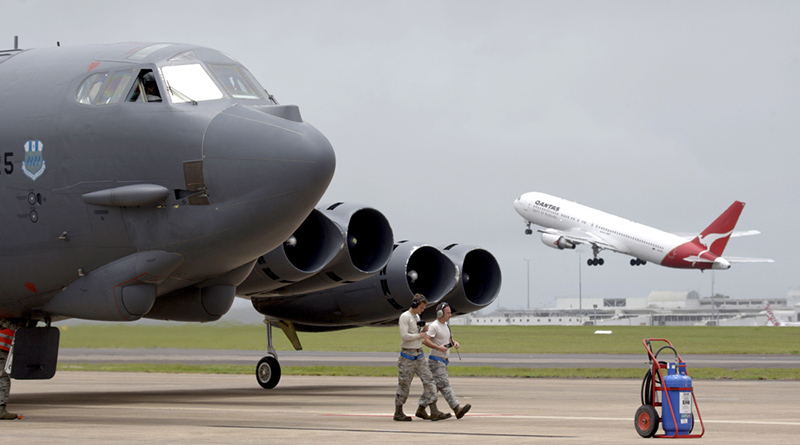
497,339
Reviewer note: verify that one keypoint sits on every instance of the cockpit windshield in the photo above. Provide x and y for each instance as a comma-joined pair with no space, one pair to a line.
189,83
235,81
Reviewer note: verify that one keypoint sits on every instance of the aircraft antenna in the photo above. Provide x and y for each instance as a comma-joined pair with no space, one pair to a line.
16,42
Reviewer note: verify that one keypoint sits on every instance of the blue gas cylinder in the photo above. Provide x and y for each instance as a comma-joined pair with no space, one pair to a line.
679,386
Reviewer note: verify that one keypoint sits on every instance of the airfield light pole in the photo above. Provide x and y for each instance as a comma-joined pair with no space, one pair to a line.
580,289
528,267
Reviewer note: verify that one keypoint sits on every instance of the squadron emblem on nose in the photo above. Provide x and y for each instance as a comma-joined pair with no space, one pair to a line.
33,165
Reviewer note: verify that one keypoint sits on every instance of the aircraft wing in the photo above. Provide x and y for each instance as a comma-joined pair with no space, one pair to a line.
737,234
733,259
745,233
583,237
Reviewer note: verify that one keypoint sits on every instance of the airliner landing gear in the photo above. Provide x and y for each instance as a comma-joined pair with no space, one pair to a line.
268,370
638,262
595,261
528,230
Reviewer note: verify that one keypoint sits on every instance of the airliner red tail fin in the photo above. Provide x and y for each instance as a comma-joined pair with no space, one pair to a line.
715,236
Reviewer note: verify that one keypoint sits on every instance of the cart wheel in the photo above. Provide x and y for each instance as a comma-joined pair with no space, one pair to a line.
646,421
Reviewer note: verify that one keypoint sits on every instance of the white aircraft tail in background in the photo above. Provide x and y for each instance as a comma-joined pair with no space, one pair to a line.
567,224
773,320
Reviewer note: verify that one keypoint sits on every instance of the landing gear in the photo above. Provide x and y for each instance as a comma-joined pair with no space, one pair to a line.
595,261
638,262
528,229
268,370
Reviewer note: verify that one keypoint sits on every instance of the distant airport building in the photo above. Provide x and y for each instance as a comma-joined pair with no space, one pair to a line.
660,308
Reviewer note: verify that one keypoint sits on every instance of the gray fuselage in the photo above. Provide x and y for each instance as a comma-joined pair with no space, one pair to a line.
240,172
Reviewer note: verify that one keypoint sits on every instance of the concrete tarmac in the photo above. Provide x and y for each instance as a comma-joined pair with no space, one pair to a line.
103,407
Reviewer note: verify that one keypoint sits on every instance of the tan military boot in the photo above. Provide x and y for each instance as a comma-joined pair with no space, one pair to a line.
461,410
5,415
436,414
399,415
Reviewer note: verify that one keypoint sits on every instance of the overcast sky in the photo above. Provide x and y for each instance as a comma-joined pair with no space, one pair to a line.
443,112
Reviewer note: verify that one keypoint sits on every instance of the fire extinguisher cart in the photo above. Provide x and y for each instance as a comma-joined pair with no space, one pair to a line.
677,401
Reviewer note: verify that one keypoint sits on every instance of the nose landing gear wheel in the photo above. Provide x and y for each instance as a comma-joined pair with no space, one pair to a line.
268,372
646,421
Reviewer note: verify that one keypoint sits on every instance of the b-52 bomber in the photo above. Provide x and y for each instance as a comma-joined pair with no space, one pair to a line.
160,180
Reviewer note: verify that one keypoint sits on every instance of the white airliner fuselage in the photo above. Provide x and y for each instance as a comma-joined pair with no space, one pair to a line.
567,224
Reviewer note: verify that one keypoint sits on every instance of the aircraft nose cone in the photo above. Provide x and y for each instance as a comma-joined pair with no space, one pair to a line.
518,206
254,157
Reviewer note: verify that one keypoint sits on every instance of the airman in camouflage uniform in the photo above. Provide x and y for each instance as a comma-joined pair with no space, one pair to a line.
440,340
412,361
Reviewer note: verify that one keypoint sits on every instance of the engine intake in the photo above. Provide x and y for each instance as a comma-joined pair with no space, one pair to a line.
413,268
367,249
310,248
479,281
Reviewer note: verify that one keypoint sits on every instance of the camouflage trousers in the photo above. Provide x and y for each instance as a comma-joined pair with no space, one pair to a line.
406,370
5,380
439,372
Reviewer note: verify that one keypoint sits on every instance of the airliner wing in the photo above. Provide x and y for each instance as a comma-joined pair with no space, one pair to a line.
582,237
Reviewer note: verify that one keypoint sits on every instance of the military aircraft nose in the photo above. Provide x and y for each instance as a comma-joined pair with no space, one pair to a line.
256,158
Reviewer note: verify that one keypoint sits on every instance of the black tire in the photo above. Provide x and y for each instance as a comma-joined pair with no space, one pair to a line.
268,372
646,421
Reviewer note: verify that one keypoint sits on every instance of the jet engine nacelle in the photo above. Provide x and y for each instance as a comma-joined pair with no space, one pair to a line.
366,250
310,248
478,284
413,268
556,241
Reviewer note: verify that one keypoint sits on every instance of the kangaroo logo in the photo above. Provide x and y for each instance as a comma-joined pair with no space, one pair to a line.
709,240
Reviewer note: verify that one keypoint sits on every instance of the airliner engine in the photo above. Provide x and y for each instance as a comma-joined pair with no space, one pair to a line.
556,241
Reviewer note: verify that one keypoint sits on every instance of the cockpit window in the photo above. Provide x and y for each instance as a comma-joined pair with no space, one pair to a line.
145,88
90,88
115,87
189,83
235,82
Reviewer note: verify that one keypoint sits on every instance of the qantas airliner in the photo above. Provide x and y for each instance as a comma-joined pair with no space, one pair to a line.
567,224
